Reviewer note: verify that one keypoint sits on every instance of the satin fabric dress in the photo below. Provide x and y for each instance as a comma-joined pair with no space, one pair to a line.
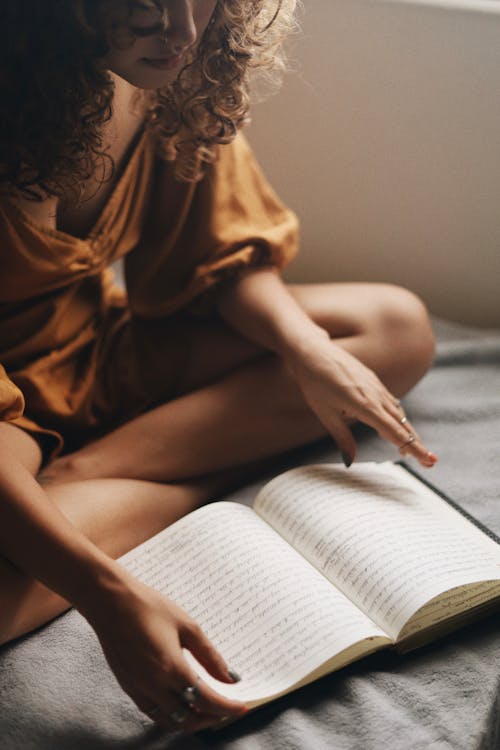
78,354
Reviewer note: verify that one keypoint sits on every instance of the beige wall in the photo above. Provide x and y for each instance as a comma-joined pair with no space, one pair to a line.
387,144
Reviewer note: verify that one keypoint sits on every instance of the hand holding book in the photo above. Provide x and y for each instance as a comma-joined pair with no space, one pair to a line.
143,634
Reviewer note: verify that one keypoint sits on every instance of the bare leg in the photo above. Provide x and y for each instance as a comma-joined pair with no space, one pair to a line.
116,514
251,409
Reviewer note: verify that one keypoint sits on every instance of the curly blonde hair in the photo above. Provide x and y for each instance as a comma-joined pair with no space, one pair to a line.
56,95
210,100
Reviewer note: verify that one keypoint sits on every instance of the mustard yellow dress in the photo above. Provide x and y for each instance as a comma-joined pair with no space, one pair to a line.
78,355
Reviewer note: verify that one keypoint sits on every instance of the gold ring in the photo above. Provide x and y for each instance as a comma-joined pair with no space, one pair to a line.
411,439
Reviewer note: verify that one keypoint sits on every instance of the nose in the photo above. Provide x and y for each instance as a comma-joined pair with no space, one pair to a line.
181,30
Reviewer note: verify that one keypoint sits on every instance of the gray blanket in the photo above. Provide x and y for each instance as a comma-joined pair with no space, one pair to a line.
56,692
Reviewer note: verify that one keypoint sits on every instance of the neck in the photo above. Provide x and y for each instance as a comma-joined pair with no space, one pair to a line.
128,106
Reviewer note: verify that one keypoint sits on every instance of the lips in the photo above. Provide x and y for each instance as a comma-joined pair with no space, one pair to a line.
163,63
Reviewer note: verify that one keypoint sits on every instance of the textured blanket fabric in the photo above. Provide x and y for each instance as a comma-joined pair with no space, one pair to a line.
56,692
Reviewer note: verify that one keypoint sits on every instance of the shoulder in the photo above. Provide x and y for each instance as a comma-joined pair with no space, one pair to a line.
233,161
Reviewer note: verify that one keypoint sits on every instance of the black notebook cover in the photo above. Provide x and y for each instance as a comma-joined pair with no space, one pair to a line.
491,534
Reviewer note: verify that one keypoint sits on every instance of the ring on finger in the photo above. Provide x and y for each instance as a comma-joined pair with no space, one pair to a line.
178,717
191,694
404,420
411,439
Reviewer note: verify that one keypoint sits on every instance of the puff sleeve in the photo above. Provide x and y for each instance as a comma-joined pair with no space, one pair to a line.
11,398
196,237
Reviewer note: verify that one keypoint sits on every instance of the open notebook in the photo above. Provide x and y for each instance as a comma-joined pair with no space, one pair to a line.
328,566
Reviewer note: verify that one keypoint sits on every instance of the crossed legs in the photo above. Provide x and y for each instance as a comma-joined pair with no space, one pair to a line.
239,407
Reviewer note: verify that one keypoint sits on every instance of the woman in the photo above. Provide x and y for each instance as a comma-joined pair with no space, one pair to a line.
121,413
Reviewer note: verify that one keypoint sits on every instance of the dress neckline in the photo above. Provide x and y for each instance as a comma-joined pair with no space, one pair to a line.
96,228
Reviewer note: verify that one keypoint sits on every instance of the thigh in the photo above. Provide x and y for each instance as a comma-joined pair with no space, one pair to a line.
154,362
343,309
352,308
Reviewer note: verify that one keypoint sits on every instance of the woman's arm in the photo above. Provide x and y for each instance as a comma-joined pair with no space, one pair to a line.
333,382
142,633
40,540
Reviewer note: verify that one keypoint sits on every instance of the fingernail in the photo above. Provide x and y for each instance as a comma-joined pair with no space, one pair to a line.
234,675
347,459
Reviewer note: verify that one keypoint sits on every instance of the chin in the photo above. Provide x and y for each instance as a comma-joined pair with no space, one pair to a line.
150,85
149,82
148,76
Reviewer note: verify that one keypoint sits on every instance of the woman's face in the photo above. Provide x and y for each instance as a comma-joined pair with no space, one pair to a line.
152,57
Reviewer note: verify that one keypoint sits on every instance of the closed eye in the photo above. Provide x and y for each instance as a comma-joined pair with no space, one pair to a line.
147,30
146,19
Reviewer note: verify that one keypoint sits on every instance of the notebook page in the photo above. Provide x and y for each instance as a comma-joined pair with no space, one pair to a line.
272,615
379,535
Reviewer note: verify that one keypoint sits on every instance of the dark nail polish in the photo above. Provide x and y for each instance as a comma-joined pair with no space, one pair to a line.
347,459
234,675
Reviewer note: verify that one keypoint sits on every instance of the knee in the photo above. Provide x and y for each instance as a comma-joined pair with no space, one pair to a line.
403,322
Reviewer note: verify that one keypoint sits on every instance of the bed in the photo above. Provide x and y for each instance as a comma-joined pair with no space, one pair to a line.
56,692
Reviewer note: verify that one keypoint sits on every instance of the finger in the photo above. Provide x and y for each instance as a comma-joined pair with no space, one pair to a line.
402,425
194,639
406,439
211,704
161,705
384,415
417,447
206,701
343,437
401,433
172,714
397,411
175,716
419,451
168,711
